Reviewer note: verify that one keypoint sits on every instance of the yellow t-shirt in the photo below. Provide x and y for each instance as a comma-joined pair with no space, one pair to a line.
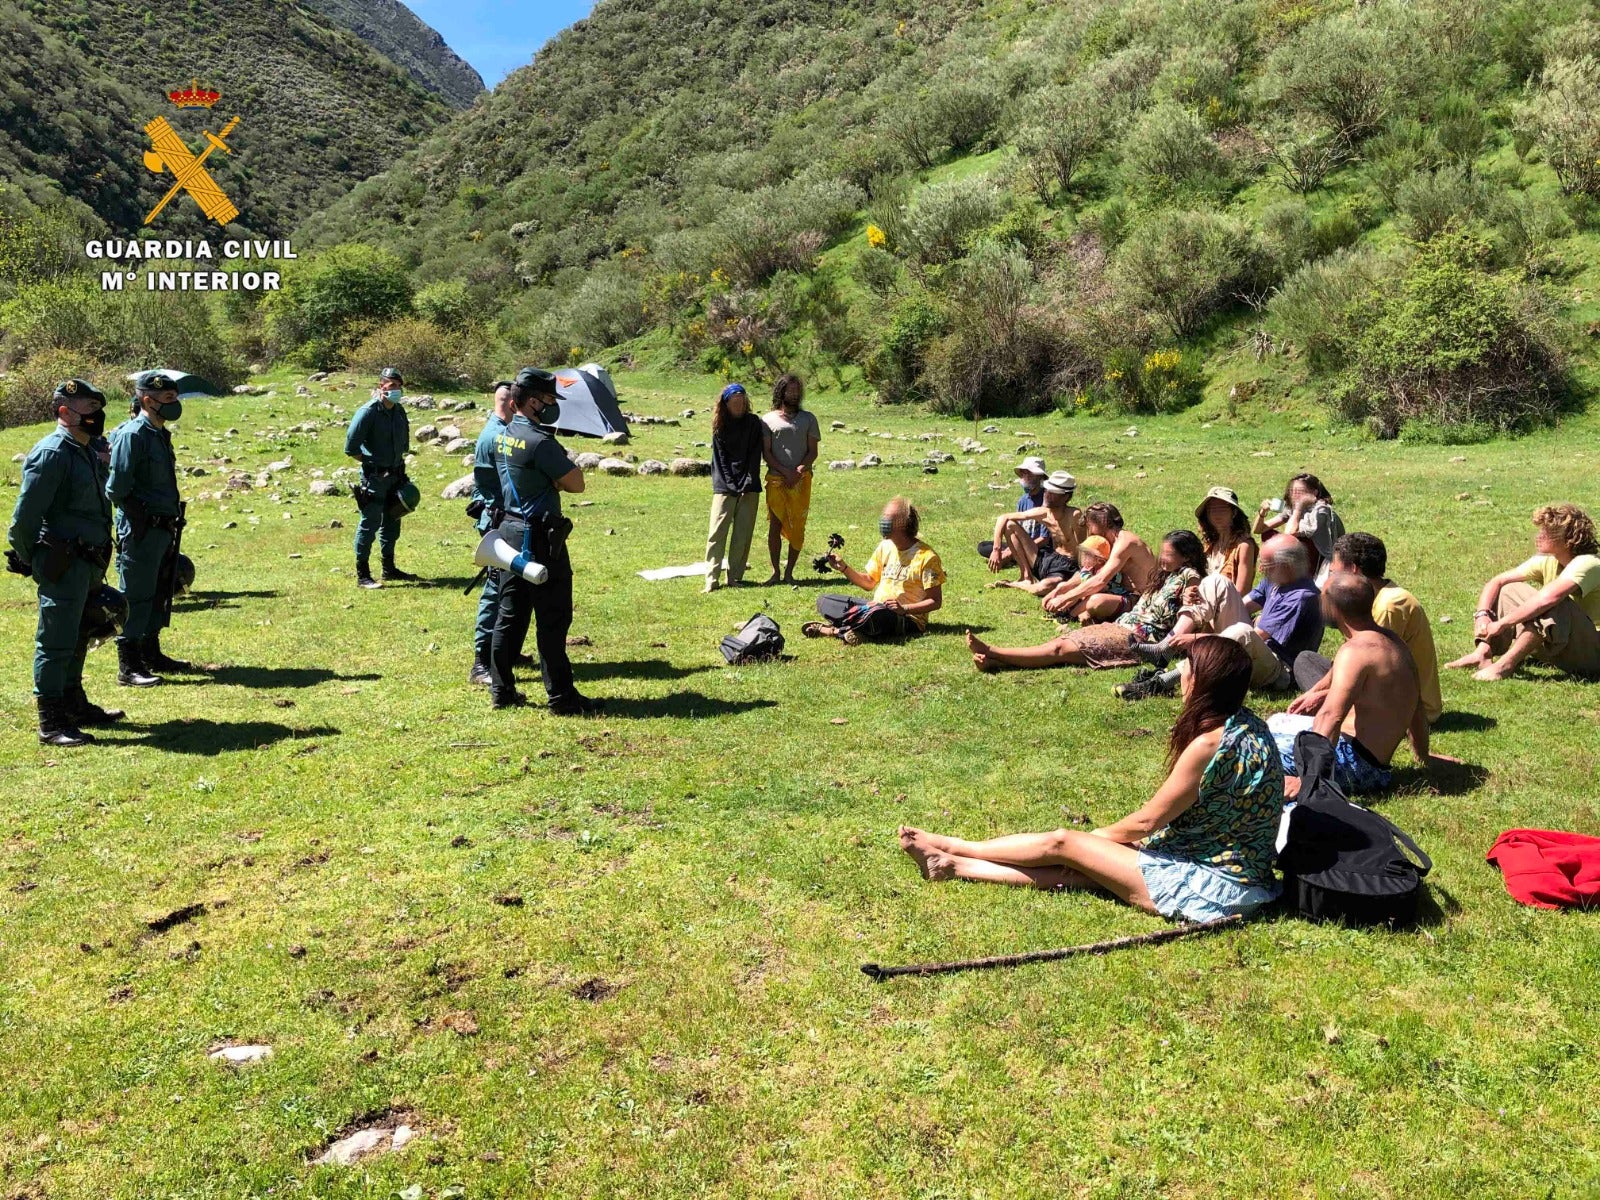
1397,610
904,575
1542,570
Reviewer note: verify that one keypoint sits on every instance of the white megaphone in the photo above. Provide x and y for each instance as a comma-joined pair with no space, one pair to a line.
495,551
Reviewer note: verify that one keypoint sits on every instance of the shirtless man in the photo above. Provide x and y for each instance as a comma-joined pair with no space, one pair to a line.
1059,518
1373,700
1089,599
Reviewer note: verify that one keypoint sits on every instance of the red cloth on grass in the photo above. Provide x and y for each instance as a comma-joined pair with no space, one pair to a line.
1549,869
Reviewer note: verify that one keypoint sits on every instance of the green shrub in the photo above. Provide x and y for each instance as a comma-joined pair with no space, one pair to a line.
878,270
1303,157
1563,121
1392,157
26,389
1159,381
1062,128
895,365
446,304
1181,265
424,354
782,228
1198,77
607,308
1526,229
1454,344
1431,201
1312,311
1169,149
1460,127
331,301
1288,236
1342,73
946,216
966,112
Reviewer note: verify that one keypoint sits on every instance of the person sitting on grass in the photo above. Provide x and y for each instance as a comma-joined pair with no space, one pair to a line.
1225,530
1547,608
1182,565
1288,615
1031,474
1092,599
904,576
1063,527
1373,699
1209,607
1306,512
1202,848
1395,609
1092,554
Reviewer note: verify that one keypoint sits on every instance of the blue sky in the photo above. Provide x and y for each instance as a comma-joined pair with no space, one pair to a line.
495,36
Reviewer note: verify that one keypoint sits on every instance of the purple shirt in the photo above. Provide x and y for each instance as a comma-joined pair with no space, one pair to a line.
1291,617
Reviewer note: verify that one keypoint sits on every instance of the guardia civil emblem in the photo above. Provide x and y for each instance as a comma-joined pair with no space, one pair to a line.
171,154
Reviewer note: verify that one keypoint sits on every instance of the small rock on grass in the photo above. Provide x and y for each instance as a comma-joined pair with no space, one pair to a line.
236,1055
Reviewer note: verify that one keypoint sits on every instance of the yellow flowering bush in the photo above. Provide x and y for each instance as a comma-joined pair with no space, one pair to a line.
876,238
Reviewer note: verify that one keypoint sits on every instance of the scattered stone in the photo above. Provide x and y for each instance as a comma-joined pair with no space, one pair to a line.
449,433
318,376
238,481
616,438
1459,458
1130,431
971,446
463,406
689,467
420,402
235,1055
428,433
869,460
324,487
653,466
301,389
459,489
686,414
838,426
336,524
580,639
19,457
615,466
991,429
230,524
938,456
839,721
458,445
842,464
589,460
196,472
364,1142
509,899
1446,620
1262,454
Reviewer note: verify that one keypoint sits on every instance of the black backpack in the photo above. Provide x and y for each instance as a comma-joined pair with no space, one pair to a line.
1342,862
758,641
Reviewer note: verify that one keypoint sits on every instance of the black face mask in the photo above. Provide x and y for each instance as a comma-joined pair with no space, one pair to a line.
547,415
94,423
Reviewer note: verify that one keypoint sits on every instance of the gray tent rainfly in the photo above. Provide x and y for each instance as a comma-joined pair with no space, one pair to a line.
589,405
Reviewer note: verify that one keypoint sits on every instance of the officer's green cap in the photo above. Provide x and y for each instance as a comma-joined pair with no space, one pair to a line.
78,389
533,381
390,373
154,381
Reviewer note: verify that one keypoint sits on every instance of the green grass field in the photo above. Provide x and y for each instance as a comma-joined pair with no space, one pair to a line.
618,956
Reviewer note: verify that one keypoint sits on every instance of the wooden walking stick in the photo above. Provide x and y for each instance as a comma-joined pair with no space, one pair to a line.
879,974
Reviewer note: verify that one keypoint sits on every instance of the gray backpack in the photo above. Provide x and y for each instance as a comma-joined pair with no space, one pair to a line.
759,640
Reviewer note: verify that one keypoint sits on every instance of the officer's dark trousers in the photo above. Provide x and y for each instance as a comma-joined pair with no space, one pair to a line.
376,524
488,615
549,606
59,644
876,622
139,562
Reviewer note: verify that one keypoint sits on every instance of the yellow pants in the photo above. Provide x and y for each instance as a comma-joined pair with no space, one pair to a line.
790,506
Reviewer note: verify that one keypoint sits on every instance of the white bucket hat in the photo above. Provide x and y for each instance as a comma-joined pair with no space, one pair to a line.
1033,466
1061,483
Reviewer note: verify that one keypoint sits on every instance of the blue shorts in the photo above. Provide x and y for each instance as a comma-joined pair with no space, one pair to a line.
1197,892
1354,768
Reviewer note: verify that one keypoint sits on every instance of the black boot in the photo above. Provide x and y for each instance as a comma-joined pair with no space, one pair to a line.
131,671
54,727
479,675
84,714
390,571
364,574
155,660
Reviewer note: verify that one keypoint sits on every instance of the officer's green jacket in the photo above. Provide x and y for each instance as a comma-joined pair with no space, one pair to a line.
143,467
379,436
63,493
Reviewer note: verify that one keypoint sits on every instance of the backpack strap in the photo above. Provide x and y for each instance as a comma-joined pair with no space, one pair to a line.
1404,839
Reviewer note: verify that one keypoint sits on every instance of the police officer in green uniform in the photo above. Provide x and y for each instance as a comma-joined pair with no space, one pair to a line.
144,486
61,534
379,436
490,508
534,470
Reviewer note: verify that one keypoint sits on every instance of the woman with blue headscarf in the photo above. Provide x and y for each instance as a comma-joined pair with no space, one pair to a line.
738,438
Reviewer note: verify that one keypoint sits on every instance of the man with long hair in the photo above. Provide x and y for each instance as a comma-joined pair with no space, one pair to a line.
904,575
793,441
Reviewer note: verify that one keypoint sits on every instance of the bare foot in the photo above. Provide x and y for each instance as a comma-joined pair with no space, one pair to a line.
981,657
1494,672
921,846
788,576
770,580
1468,662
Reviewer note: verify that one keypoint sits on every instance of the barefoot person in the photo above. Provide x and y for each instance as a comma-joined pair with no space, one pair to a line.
1092,554
1055,555
904,576
1182,565
1031,474
1092,599
1548,607
793,439
1395,609
1201,848
1373,698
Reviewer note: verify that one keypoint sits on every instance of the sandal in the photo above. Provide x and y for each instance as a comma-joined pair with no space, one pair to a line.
815,629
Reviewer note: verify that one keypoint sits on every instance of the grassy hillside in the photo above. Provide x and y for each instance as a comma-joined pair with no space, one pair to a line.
1006,206
618,957
321,109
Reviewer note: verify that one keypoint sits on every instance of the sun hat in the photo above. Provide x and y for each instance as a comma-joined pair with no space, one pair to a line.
1227,495
1095,545
1061,483
1033,465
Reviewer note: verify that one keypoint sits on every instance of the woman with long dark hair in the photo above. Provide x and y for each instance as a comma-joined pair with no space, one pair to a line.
1225,530
1180,566
738,439
1305,512
1200,849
